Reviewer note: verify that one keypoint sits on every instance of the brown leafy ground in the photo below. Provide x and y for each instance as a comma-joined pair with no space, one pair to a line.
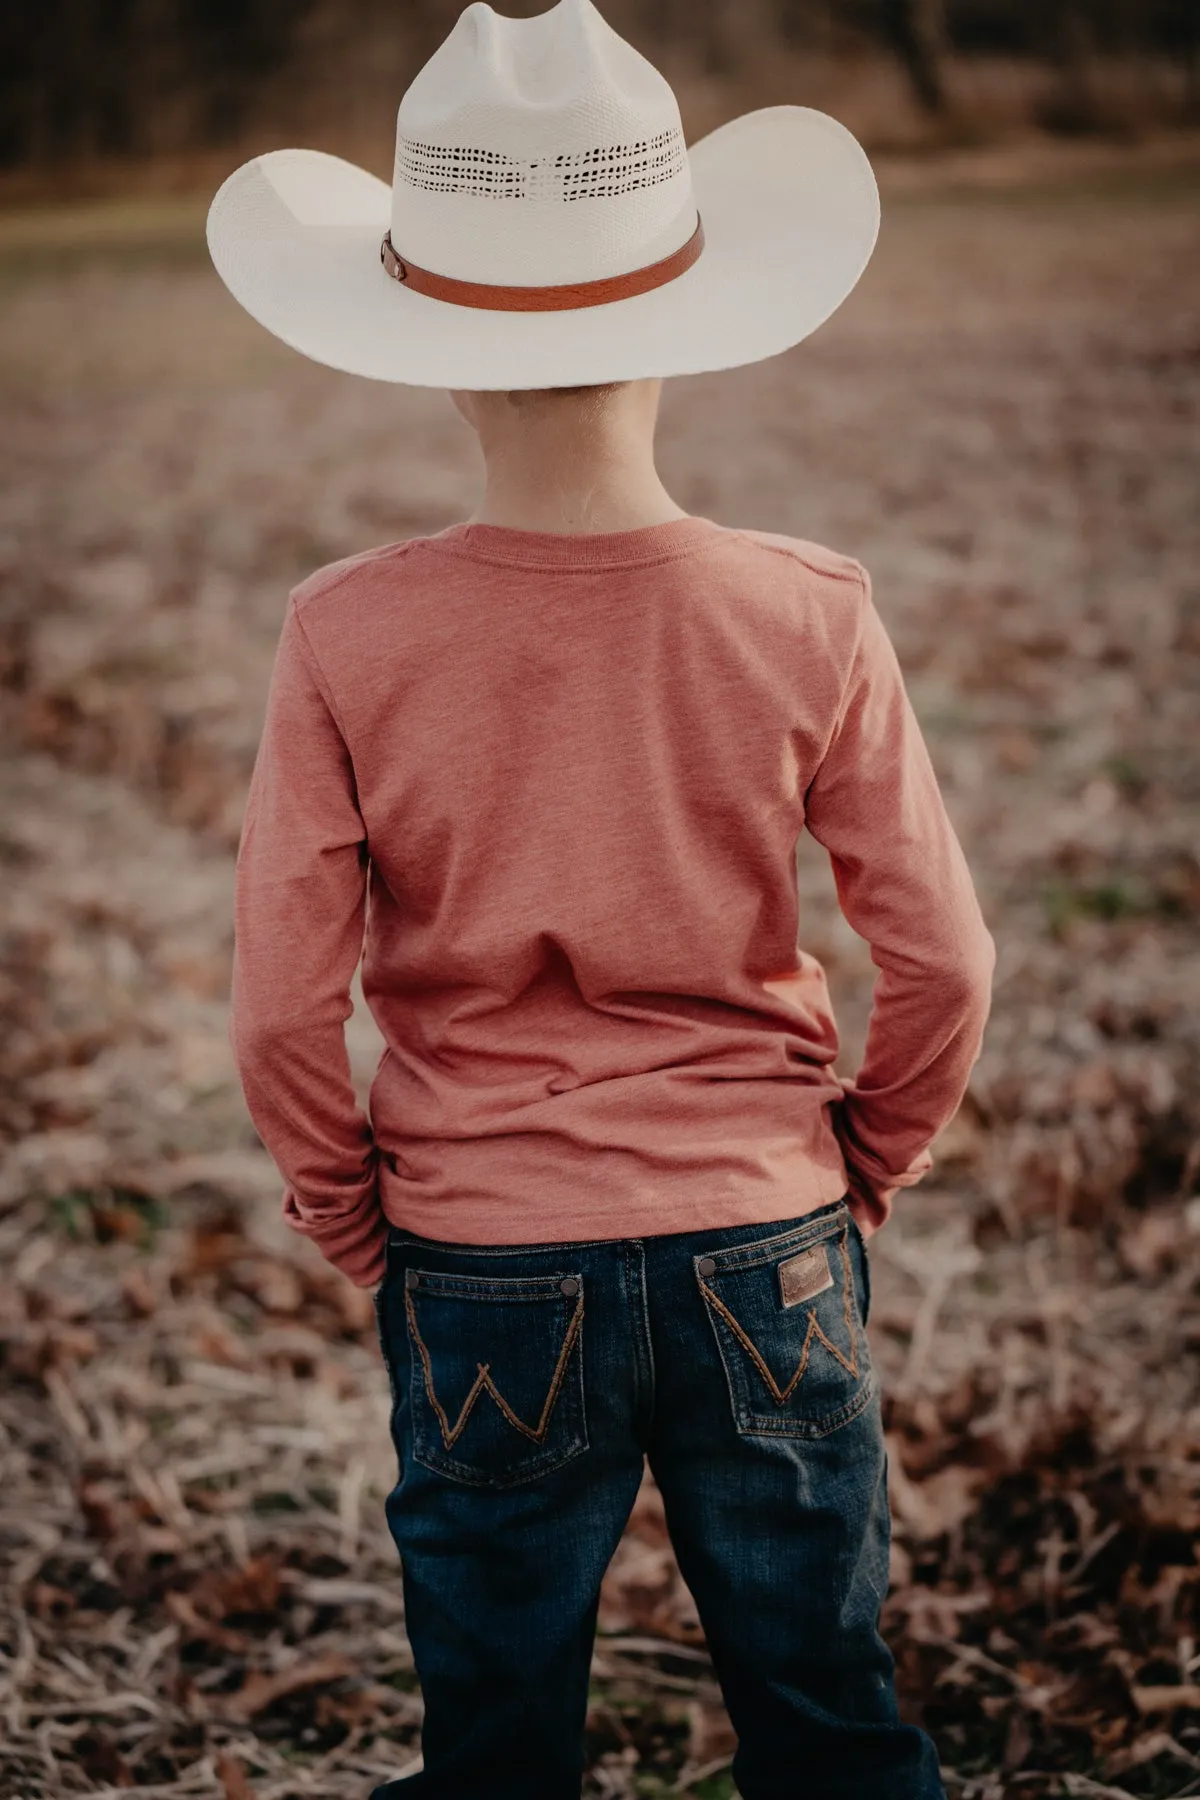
201,1598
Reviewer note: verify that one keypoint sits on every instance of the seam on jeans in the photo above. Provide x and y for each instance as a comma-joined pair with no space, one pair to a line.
484,1380
818,1227
381,1333
491,1290
643,1347
850,1363
788,1429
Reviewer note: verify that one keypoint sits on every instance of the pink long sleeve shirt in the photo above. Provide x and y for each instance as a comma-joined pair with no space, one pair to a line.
549,789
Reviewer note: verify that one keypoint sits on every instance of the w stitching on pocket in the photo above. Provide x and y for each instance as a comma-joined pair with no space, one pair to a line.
849,1363
483,1380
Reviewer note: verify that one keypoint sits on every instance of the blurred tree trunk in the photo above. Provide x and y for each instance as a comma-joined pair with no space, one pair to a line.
663,20
1076,105
725,30
70,79
237,44
1191,67
1077,50
917,28
808,22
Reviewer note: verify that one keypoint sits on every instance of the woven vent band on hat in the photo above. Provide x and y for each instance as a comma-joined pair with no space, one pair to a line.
599,172
542,299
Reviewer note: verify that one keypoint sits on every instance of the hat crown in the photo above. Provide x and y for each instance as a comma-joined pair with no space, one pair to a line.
554,61
512,118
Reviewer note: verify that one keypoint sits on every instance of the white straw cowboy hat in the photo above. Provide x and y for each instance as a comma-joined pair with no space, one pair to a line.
547,226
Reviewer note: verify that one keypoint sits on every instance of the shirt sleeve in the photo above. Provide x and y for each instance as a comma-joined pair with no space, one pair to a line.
903,884
299,915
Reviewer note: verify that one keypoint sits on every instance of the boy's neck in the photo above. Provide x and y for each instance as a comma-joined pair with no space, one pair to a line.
572,465
625,507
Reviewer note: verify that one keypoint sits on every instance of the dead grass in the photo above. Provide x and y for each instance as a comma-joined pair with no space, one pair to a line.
201,1599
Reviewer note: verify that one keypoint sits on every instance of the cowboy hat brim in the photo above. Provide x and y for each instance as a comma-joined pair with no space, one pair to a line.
790,212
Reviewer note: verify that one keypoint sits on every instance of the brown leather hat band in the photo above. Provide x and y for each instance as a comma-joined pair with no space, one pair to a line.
542,299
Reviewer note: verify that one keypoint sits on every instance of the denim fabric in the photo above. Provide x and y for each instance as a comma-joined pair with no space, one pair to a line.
528,1384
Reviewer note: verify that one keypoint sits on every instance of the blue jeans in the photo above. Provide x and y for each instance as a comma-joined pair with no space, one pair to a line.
529,1382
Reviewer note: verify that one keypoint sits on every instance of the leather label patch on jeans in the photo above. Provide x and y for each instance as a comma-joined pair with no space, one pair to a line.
800,1277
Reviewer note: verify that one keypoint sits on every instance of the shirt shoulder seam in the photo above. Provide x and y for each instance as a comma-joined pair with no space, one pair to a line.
863,583
854,571
300,603
318,673
354,565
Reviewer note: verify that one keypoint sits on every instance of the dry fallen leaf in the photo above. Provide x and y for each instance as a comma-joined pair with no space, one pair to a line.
259,1691
232,1776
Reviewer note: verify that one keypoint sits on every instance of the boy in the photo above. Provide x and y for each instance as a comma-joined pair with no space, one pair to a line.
611,1197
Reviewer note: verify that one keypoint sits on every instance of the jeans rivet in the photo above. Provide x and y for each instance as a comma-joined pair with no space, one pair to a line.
707,1266
568,1287
411,1278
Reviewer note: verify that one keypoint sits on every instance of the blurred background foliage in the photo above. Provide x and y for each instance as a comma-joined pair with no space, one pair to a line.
1003,423
82,80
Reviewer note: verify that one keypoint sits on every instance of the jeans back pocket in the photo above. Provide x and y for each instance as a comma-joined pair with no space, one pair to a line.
787,1313
497,1374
